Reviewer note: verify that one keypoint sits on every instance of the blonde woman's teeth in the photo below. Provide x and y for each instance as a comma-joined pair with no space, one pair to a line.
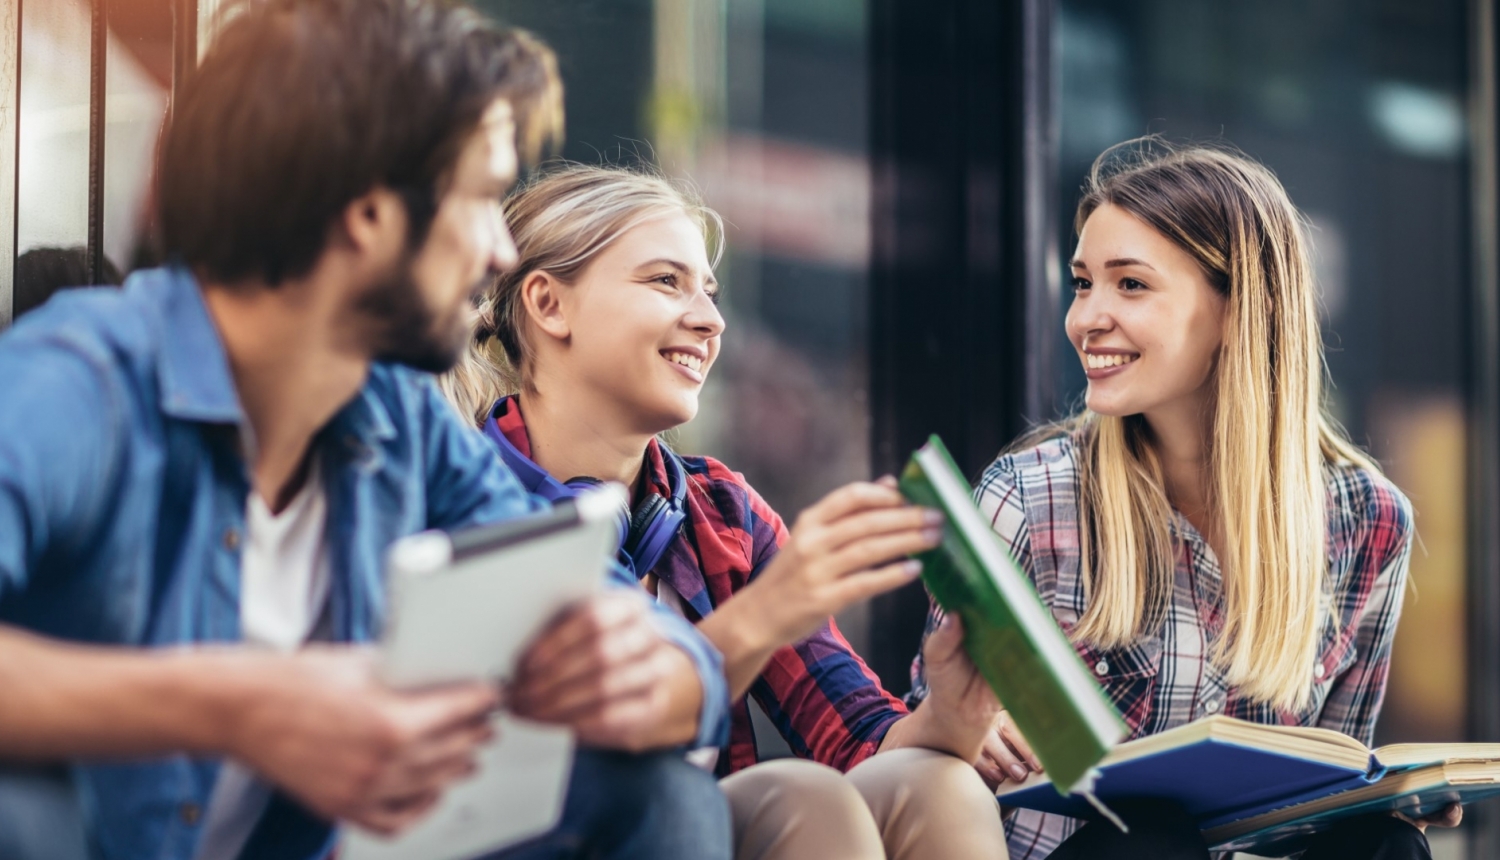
691,362
1096,362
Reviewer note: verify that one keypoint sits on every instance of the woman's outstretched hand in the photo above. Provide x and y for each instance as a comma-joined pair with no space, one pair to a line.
848,547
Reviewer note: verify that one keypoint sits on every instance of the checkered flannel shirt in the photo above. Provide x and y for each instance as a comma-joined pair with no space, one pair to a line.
823,699
1164,681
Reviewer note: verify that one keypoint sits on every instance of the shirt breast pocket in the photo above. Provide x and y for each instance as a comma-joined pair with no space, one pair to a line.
1336,654
1127,675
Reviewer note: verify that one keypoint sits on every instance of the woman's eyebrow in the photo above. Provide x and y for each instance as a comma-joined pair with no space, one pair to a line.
1127,261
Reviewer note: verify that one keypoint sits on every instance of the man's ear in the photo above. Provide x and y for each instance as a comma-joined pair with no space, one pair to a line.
374,223
541,297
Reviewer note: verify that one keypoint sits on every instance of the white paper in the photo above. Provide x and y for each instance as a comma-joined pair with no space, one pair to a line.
1085,787
517,794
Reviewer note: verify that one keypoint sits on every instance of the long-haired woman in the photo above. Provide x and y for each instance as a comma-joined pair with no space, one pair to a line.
1208,537
598,341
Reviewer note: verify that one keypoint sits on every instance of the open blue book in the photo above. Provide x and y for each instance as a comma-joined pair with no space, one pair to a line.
1262,788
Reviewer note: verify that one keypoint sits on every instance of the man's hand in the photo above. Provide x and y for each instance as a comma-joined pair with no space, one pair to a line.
604,670
320,725
960,711
1451,816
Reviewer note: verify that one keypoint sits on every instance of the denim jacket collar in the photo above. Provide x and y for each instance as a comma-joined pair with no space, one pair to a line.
193,370
197,385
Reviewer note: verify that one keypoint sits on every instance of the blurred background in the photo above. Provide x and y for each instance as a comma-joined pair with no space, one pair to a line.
899,180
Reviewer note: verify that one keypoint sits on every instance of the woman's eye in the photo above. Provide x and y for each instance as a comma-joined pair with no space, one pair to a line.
713,296
1131,285
668,279
1080,284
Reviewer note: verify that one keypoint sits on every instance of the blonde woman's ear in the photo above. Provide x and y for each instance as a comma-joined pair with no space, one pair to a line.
541,297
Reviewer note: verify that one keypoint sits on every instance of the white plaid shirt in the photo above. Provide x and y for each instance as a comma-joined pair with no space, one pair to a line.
1164,681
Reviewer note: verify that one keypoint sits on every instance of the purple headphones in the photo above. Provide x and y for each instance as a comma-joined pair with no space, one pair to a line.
645,532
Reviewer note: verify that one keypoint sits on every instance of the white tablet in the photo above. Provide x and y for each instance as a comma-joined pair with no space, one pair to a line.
463,607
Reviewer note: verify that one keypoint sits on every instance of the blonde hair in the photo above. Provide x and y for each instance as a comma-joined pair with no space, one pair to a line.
1270,438
561,220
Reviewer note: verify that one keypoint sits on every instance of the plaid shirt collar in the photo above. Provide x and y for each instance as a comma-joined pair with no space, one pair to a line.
507,429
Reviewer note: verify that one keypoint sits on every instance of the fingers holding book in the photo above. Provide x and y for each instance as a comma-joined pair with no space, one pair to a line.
1006,756
1450,816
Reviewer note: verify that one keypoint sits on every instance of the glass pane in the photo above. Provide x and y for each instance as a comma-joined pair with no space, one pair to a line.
54,137
54,130
762,104
1360,111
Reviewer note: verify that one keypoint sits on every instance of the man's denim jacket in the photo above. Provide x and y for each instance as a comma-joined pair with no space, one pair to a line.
122,510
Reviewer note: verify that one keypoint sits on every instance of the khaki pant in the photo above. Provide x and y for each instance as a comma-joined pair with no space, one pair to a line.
906,804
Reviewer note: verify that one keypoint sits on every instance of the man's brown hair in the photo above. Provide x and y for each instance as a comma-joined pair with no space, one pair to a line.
301,106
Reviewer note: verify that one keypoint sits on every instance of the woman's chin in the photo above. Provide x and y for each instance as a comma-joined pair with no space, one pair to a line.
1112,407
669,412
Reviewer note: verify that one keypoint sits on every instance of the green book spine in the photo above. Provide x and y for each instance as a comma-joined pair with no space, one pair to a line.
1009,634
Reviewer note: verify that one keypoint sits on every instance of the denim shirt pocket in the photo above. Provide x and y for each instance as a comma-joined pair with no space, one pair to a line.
1127,675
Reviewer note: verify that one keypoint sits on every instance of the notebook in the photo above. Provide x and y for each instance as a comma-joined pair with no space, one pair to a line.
1009,634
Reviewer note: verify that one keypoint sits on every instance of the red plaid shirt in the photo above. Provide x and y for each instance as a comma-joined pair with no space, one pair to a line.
821,696
1166,680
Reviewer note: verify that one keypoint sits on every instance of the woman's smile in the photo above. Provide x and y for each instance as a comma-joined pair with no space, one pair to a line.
688,360
1102,363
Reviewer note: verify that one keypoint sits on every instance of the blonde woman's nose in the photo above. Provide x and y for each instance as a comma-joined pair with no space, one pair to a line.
704,316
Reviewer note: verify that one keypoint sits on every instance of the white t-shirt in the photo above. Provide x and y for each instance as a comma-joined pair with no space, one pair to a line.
284,581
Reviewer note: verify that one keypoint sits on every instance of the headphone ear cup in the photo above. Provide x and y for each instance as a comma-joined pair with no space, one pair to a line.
641,520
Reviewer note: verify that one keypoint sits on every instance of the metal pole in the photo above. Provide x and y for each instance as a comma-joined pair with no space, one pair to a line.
1042,279
10,111
98,64
1484,415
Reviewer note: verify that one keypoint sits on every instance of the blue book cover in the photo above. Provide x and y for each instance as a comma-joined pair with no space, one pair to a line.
1251,785
1212,778
1415,792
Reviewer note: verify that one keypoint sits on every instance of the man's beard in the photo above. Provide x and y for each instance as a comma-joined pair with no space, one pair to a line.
405,329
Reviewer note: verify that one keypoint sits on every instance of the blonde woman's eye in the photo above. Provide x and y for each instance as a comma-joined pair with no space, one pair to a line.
667,279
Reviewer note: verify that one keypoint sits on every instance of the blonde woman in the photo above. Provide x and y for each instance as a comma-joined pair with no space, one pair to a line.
599,340
1210,540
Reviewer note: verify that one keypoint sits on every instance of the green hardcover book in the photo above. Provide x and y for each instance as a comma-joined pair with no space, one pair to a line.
1011,637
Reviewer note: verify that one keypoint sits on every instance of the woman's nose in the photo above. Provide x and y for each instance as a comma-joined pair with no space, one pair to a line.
704,317
1089,314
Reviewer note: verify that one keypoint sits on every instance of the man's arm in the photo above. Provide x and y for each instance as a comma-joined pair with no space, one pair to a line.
318,723
67,701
